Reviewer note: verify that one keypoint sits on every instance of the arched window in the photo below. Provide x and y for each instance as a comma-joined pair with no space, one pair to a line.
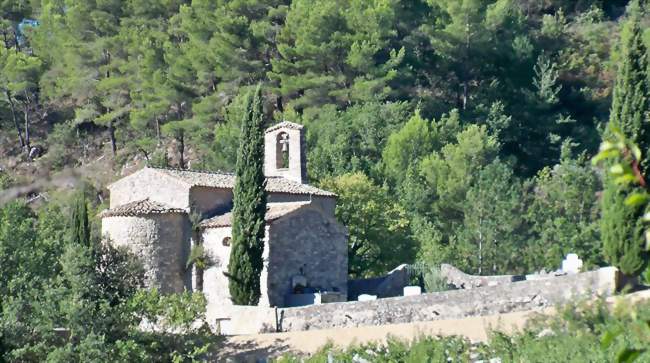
282,151
226,242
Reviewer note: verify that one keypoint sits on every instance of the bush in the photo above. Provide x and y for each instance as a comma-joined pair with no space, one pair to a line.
427,277
435,281
64,301
62,145
423,349
5,180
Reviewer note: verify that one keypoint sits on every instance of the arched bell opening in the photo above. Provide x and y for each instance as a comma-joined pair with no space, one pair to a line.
282,151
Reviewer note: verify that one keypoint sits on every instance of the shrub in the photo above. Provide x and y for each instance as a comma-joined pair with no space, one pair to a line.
62,144
427,277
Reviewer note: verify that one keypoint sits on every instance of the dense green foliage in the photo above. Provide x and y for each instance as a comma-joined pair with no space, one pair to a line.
573,335
472,119
453,131
622,228
63,301
377,225
249,207
80,229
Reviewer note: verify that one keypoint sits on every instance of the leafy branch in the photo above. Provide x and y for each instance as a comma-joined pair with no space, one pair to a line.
625,157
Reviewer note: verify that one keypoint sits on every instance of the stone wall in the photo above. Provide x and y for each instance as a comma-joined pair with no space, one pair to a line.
326,204
210,201
519,296
390,285
304,238
504,298
215,283
309,239
148,183
239,320
161,242
297,170
460,280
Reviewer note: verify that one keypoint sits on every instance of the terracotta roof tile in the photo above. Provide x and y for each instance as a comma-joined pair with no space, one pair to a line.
285,124
227,181
273,212
202,178
140,207
282,185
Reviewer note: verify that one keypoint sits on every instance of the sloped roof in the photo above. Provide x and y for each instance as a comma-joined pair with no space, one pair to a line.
286,125
283,185
273,212
201,179
140,207
227,181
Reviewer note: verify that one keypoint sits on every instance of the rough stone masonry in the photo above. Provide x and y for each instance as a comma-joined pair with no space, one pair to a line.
149,213
546,291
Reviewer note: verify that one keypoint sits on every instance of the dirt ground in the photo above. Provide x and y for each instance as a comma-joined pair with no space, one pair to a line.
251,348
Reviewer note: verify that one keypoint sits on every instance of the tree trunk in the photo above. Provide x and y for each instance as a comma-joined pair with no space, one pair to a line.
6,41
158,133
16,40
465,95
12,107
279,105
181,150
494,261
466,61
199,278
111,136
480,251
27,145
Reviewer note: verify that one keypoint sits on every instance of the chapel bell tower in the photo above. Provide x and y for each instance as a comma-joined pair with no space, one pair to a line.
284,152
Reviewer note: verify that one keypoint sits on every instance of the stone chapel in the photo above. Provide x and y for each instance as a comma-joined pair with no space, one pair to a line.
305,247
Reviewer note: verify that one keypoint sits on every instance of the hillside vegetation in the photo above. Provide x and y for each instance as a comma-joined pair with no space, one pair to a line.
453,131
456,131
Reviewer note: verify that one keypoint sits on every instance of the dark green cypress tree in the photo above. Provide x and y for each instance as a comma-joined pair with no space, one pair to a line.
79,226
249,199
621,226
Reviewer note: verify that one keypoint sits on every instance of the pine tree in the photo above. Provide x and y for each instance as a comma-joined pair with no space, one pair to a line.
621,228
249,199
79,227
336,53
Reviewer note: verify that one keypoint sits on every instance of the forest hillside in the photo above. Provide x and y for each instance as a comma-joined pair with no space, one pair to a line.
452,131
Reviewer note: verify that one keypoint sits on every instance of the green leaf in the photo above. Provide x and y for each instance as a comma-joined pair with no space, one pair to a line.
606,146
628,355
606,154
615,130
609,337
625,179
636,152
636,199
616,169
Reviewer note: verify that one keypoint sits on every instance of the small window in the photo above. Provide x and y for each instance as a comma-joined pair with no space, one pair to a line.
226,242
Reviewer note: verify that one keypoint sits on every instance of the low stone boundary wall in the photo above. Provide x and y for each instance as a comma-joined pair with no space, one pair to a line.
237,319
484,300
390,285
520,296
460,280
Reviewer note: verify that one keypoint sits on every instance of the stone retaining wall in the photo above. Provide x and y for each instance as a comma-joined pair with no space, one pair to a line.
519,296
503,298
460,280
